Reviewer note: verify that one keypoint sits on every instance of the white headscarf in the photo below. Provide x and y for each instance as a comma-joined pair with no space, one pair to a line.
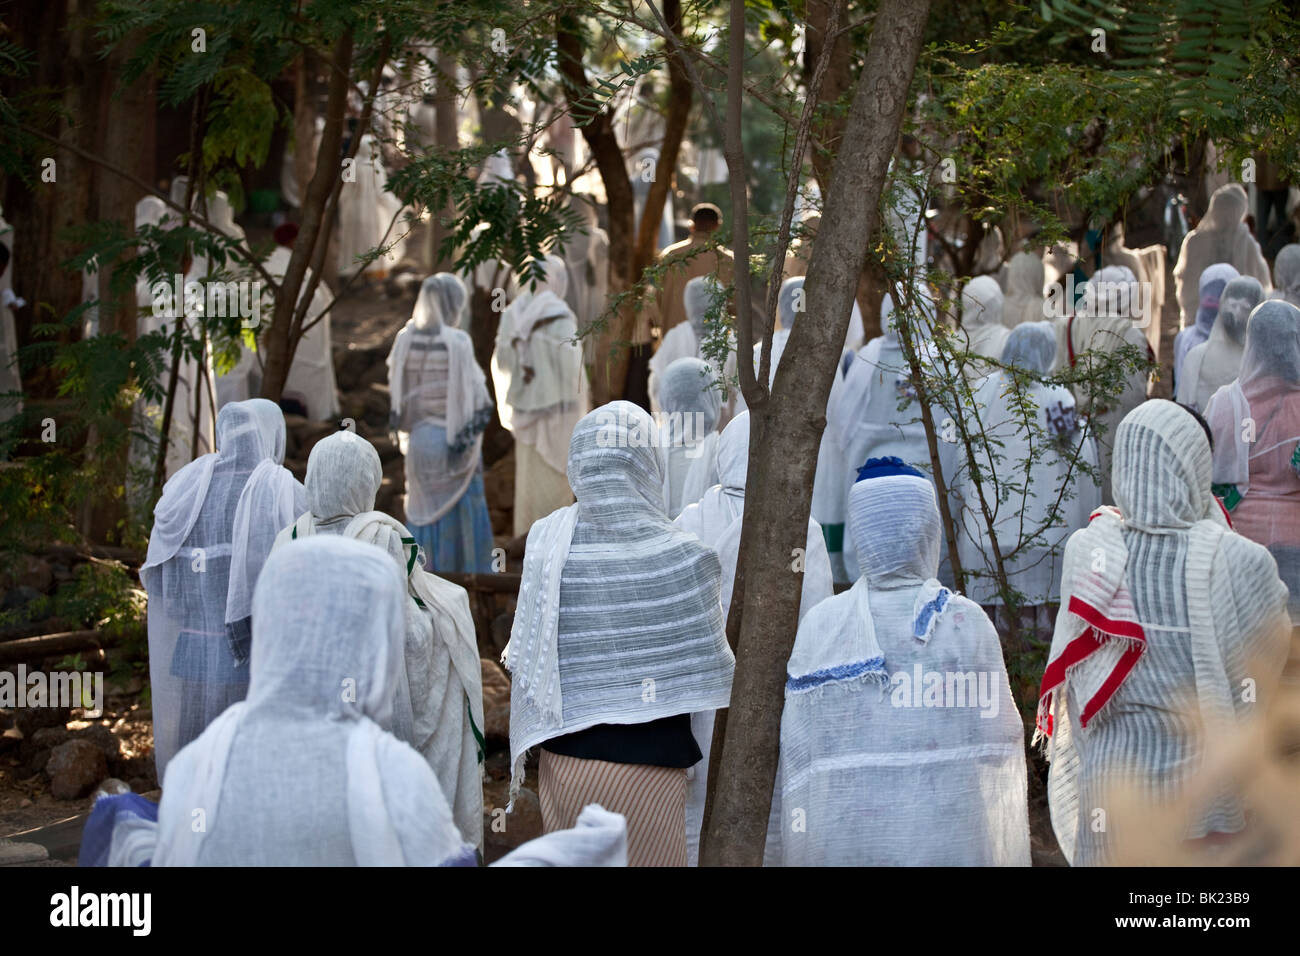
613,595
1024,298
981,320
213,528
305,771
1286,274
438,473
438,706
1032,517
871,771
1212,283
1217,361
690,404
537,367
1220,236
1131,627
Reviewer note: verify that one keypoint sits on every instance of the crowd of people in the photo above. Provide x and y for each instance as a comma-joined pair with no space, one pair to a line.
317,693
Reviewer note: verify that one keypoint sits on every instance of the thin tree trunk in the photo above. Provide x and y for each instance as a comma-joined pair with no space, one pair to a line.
446,140
783,461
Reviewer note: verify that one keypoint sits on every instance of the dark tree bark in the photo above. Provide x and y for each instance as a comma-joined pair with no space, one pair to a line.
783,451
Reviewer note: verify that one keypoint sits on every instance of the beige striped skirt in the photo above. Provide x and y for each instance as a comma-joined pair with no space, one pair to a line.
653,799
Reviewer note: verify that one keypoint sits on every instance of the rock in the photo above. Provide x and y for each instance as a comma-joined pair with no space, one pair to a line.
31,719
27,571
21,854
103,738
74,768
141,784
112,786
18,597
11,739
376,405
47,738
496,701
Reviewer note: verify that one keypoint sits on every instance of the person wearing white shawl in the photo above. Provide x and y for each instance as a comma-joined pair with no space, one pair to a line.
439,708
716,520
684,339
541,389
900,742
213,529
691,405
1103,325
1256,425
1165,614
1148,264
1024,297
981,322
617,638
864,421
586,254
1217,361
1220,236
440,408
1036,488
194,407
369,216
306,771
1212,283
1286,274
311,376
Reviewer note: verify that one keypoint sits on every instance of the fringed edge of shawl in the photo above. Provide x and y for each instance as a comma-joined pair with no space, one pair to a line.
1097,631
857,675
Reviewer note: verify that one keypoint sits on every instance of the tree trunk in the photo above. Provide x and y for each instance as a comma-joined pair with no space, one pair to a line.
783,460
446,141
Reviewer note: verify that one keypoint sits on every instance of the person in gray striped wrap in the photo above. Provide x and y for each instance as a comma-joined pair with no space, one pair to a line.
618,638
1172,632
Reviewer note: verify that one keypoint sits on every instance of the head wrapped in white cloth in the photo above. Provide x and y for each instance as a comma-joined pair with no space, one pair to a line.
609,584
1024,297
1211,286
981,319
438,702
1286,274
872,771
213,528
790,301
690,403
1216,362
305,772
1031,347
1221,236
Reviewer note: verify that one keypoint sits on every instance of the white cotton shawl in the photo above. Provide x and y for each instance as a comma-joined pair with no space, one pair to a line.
619,619
870,773
981,321
432,491
536,340
1220,236
311,376
366,210
439,704
1024,297
1216,362
599,838
1226,616
304,772
1271,358
1032,516
213,528
716,520
690,407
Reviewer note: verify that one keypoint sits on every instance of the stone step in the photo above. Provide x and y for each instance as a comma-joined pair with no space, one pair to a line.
22,854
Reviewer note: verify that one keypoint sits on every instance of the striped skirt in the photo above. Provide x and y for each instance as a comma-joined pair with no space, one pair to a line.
653,799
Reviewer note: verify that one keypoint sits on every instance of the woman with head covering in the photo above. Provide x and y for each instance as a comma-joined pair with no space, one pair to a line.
684,339
690,405
1256,425
981,322
1148,265
900,742
194,407
716,521
541,389
618,638
864,420
1217,361
311,376
1105,323
439,709
1035,484
1213,281
1220,236
440,408
1024,298
369,217
213,529
1286,274
306,771
1166,614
